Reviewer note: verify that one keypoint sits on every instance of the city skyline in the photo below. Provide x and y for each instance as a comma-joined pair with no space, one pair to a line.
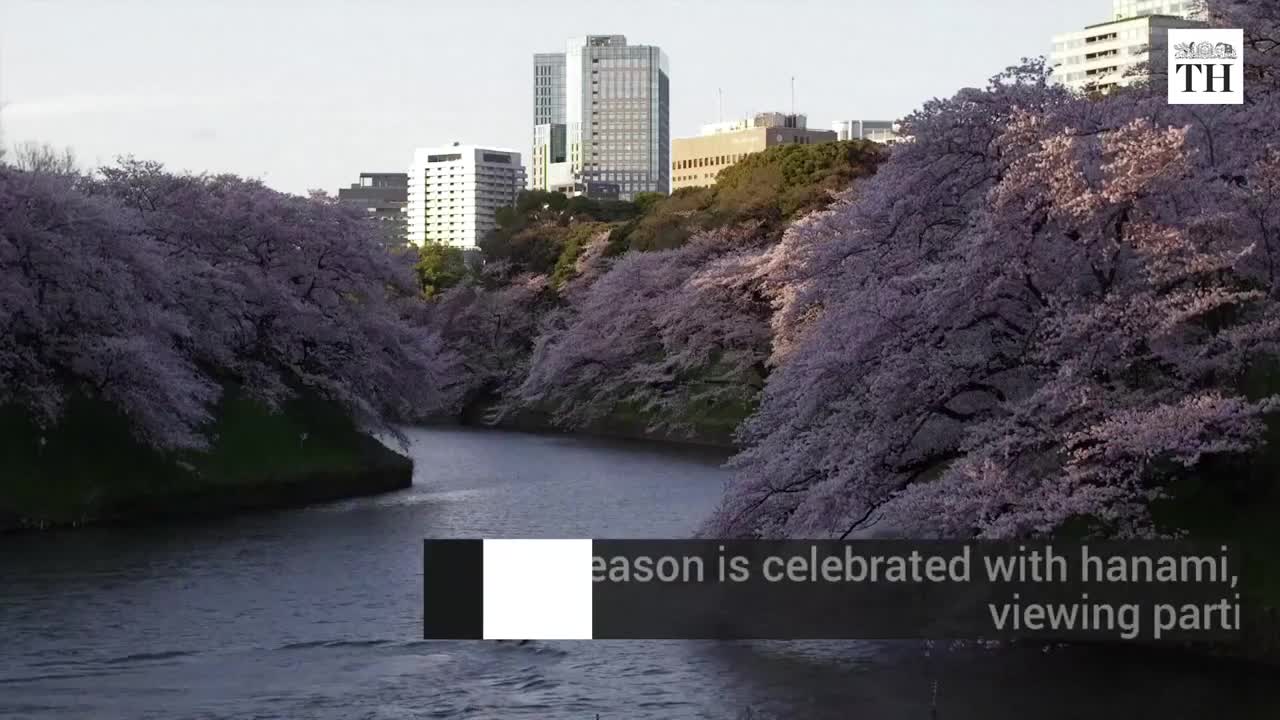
312,100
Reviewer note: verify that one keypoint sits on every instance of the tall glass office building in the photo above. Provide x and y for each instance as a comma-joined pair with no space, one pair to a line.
548,89
614,102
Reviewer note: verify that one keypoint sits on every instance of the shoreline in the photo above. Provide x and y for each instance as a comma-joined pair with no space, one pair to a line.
388,471
672,442
537,423
206,502
174,493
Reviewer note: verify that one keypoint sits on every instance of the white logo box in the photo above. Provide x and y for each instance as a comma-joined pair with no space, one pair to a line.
1206,66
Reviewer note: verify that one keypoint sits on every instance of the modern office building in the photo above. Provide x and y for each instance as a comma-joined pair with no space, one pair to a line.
383,196
1116,53
613,102
548,89
881,131
696,161
456,190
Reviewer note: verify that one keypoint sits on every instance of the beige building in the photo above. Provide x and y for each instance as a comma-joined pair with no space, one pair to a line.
696,161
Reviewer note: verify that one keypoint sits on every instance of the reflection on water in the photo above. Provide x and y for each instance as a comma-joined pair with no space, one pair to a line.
316,613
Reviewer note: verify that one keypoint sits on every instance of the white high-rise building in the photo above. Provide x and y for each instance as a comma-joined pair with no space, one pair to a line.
456,190
1115,53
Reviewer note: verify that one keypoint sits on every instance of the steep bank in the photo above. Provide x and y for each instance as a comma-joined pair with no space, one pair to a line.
711,432
646,319
90,470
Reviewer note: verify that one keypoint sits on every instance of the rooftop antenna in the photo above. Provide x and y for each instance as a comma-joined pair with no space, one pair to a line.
793,94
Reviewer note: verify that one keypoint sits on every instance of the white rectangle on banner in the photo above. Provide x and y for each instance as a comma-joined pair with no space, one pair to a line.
537,589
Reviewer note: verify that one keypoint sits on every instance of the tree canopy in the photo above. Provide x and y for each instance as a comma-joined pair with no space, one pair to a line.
151,291
775,186
1044,310
671,331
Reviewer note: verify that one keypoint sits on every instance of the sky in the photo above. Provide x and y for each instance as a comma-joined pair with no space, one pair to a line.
309,93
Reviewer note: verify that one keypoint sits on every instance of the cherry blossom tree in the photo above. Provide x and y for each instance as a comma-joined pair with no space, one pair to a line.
287,292
1042,309
42,158
87,305
668,334
491,331
153,290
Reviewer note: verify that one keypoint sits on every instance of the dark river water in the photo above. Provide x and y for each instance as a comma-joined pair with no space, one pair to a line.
316,613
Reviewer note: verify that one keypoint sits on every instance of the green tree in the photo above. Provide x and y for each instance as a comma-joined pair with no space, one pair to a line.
440,267
544,231
774,186
646,200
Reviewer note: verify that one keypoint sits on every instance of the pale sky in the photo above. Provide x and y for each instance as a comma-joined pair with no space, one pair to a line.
309,93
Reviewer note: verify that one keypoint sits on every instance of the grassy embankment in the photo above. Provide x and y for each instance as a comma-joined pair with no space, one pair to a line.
89,468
